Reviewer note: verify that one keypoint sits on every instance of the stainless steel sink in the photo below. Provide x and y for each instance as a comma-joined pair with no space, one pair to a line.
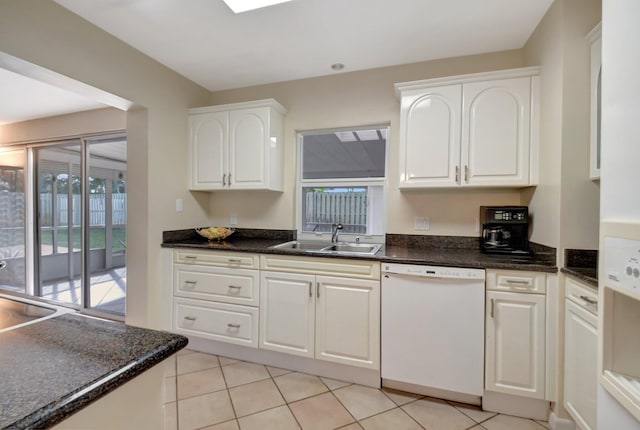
329,248
353,248
302,245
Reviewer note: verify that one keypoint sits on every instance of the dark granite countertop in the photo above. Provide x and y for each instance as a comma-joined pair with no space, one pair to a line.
588,275
55,367
453,257
436,250
582,264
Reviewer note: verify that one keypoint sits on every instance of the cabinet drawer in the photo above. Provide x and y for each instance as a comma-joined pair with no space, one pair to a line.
348,268
581,294
221,259
218,321
239,286
518,281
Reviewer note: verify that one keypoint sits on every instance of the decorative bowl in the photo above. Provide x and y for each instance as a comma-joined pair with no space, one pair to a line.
215,233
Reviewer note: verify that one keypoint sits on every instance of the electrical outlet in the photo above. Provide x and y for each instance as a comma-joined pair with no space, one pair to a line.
233,219
179,206
477,225
421,223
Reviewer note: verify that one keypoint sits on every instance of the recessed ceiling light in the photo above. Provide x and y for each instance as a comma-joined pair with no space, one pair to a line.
337,66
238,6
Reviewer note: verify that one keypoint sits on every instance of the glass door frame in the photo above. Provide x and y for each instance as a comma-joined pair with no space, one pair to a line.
32,222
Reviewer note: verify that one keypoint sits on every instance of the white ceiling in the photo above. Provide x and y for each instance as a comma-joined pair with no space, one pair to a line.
25,98
207,43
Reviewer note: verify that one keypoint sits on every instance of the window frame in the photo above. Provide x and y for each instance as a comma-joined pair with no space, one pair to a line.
343,182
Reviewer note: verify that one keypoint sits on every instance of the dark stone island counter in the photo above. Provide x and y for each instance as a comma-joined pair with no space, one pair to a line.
451,251
53,368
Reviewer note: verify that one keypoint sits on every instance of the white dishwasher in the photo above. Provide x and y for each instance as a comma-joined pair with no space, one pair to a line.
433,331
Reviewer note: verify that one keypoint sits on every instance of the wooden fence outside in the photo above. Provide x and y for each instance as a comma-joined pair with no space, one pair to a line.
348,208
97,209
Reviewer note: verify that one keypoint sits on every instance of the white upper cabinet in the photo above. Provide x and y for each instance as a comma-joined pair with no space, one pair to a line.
208,150
237,146
473,130
495,124
430,153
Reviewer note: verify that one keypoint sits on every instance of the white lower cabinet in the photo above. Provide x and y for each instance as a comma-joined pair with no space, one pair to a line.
287,317
320,308
217,321
216,296
348,321
581,354
515,335
329,318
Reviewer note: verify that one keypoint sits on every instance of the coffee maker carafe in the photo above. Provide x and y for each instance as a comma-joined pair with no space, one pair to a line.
505,230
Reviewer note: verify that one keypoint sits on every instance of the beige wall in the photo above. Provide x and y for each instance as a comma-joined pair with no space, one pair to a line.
362,98
544,49
93,121
565,206
580,196
47,35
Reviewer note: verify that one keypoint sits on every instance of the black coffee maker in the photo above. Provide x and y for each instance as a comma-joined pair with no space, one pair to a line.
505,230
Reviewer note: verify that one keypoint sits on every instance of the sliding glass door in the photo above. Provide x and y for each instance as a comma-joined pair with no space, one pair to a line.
59,221
75,192
12,220
107,224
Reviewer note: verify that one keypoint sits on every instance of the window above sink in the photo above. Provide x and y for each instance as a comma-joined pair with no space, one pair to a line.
341,177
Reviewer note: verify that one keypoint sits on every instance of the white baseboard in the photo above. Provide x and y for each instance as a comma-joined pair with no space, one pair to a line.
561,423
515,405
357,375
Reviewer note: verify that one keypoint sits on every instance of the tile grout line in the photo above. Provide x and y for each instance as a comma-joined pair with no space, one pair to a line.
408,403
271,377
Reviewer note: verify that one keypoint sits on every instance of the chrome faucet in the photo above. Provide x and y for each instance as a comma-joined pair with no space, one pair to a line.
334,232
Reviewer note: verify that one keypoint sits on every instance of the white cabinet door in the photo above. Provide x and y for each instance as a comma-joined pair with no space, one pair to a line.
207,150
581,365
515,344
495,132
237,146
348,321
248,148
430,134
287,312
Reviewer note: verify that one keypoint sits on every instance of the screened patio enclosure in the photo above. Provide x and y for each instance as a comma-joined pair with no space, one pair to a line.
75,193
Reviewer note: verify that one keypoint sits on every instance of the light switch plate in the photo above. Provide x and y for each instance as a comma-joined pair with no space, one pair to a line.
233,219
421,223
179,205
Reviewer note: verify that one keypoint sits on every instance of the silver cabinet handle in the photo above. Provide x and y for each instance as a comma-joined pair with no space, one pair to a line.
318,289
589,300
190,318
190,284
229,179
231,325
190,257
236,288
234,260
517,282
457,174
224,180
3,264
310,289
492,307
466,174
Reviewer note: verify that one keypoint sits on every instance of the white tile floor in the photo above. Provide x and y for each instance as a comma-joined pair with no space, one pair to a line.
218,393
